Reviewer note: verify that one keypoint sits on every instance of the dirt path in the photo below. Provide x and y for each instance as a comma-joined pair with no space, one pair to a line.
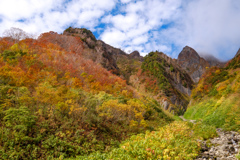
192,121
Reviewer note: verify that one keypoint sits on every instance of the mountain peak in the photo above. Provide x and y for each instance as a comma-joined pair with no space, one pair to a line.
188,52
190,60
134,54
83,33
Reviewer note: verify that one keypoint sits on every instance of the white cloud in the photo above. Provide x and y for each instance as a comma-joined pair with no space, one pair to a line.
140,40
125,1
54,15
210,27
15,9
114,37
137,22
144,25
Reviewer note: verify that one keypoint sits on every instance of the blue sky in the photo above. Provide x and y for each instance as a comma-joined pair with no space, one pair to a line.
208,26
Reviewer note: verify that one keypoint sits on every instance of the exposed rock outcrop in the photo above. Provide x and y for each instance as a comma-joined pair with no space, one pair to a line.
190,60
96,50
223,147
177,76
165,80
109,57
136,55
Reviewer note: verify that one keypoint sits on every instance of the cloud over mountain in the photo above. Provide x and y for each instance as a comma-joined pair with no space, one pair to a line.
210,27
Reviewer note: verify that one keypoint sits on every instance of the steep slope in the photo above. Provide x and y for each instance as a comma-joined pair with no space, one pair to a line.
161,77
55,103
238,53
96,50
124,65
190,60
215,100
113,59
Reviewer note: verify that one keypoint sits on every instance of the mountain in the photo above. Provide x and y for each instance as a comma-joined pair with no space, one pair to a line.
190,60
164,80
127,66
215,100
72,96
194,64
213,61
96,50
58,101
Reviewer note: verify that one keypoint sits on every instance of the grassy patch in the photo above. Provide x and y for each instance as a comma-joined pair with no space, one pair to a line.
222,113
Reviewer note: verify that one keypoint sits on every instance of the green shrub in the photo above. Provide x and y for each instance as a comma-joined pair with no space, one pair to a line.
174,141
221,113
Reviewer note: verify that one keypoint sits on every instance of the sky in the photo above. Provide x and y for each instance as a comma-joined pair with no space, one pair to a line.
209,26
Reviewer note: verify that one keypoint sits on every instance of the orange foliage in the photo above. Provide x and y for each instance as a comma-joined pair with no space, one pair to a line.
60,55
69,43
5,43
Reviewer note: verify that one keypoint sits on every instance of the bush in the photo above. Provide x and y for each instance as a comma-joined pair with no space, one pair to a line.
174,141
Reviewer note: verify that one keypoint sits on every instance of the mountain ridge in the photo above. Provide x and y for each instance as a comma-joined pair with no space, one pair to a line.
70,95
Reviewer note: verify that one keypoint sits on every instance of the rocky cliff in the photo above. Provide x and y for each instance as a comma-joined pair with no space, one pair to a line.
113,59
190,60
164,79
96,50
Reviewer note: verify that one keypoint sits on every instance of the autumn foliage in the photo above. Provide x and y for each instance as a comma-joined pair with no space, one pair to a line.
58,104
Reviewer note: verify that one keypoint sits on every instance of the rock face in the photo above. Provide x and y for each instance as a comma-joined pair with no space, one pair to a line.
223,147
136,55
190,60
177,76
162,77
102,53
96,50
213,61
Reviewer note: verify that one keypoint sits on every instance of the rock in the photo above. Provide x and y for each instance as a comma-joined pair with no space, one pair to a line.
165,104
136,55
190,60
96,50
223,147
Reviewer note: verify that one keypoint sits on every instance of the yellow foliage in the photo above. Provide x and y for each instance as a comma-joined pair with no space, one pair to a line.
133,123
217,71
130,113
221,87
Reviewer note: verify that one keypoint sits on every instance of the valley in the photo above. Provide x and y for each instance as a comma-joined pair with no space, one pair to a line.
71,96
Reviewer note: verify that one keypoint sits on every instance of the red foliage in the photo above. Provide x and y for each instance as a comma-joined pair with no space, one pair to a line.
61,55
5,43
68,43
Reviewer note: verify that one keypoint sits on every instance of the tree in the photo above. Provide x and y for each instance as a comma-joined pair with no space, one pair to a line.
16,33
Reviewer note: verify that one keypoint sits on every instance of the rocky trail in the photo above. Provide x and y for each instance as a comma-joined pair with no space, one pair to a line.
224,147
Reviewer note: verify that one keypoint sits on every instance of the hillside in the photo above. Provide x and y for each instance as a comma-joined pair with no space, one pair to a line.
56,103
129,67
165,81
215,100
72,96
